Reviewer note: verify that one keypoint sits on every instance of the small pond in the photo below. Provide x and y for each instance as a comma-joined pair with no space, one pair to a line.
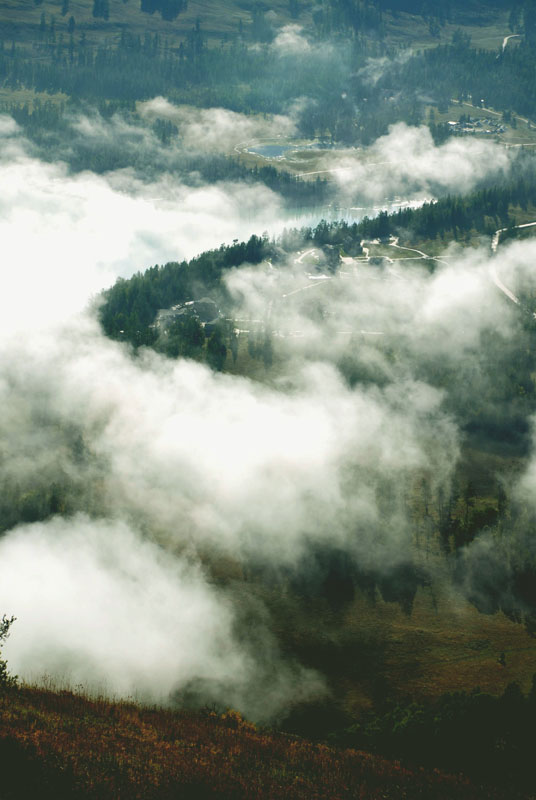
270,150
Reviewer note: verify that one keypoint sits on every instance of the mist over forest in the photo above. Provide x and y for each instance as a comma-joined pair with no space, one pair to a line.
263,507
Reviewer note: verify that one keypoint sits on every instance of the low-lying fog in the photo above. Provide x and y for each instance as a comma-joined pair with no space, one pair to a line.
169,465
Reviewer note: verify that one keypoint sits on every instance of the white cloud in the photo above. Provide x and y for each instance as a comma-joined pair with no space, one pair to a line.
176,465
216,130
291,40
375,68
65,237
406,162
99,605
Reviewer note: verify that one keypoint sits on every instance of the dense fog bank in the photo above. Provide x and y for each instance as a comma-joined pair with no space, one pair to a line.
125,476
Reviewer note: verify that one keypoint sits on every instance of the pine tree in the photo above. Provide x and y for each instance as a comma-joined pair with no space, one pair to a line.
101,8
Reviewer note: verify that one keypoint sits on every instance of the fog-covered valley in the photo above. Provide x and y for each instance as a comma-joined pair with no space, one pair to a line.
143,468
262,517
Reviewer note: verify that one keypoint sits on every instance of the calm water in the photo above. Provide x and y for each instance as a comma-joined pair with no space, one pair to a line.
270,150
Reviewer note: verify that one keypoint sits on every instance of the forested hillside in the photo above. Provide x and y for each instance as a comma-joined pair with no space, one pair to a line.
268,338
130,307
127,67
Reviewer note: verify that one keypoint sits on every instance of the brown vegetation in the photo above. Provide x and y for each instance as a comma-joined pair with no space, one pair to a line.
60,744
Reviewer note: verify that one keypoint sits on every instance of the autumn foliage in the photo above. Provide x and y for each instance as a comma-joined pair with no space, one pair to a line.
61,744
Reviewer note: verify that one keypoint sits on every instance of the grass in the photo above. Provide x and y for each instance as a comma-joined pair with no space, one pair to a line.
220,19
60,744
521,216
318,162
442,645
296,162
452,647
487,30
21,18
524,134
21,96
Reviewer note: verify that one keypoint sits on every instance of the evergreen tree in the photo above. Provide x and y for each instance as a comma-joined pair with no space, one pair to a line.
267,350
101,9
216,350
529,21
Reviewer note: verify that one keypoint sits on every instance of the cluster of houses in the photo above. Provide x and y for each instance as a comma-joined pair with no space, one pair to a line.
471,125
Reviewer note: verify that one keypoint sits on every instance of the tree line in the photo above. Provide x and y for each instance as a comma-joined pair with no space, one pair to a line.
130,305
489,738
49,125
503,80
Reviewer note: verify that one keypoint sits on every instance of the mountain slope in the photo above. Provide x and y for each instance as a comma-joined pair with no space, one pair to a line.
58,744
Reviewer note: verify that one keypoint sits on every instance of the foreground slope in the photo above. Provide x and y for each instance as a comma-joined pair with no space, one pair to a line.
58,744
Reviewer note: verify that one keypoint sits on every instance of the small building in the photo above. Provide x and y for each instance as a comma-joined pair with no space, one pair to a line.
205,310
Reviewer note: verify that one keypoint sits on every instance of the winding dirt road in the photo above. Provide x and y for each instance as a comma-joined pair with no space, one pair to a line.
493,268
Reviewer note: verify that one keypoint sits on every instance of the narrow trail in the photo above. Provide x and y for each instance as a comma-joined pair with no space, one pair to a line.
353,167
306,288
507,39
493,268
422,256
318,281
497,234
303,255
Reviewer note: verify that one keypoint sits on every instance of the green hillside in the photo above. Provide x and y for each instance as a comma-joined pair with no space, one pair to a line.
403,23
21,19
